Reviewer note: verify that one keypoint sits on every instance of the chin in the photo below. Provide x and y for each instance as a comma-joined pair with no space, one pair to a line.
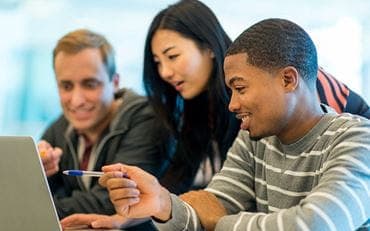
255,138
81,126
187,96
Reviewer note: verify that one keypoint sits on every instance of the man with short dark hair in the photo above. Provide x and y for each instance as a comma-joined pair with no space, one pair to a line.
295,165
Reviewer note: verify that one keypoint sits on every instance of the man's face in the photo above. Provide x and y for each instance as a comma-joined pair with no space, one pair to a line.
86,93
258,97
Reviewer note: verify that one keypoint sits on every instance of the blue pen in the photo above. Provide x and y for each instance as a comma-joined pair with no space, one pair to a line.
83,173
86,173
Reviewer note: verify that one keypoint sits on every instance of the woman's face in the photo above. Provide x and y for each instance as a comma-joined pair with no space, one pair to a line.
181,63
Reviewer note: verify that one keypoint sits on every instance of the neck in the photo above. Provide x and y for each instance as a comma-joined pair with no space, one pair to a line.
302,121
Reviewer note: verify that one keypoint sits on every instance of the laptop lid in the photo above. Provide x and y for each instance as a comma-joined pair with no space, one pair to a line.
25,199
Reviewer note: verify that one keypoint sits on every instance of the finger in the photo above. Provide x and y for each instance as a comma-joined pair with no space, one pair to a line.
124,204
46,154
116,183
123,193
112,167
112,222
109,175
50,172
77,219
103,224
50,168
43,144
57,152
48,163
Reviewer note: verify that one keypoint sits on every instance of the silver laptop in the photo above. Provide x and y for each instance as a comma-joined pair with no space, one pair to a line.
25,199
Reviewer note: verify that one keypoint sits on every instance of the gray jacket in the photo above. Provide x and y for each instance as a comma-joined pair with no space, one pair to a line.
133,137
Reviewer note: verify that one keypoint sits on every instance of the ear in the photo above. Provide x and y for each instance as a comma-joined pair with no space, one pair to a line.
290,78
210,53
115,80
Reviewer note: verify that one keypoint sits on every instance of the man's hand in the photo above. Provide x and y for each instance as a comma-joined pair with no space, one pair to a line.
93,220
207,207
50,157
135,193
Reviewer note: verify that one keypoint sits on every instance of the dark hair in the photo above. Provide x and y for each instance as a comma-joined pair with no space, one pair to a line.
196,122
78,40
275,43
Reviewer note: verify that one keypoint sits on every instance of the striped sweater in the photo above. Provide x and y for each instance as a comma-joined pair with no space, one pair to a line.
321,182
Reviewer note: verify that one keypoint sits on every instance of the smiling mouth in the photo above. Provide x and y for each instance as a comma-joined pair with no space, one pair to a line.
243,116
178,85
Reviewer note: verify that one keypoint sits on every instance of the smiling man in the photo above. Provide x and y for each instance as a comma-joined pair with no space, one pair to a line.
100,125
295,165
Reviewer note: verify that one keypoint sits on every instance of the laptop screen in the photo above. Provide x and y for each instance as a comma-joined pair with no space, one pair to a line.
25,199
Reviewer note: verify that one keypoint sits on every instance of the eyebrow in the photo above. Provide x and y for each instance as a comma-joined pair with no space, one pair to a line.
233,79
167,49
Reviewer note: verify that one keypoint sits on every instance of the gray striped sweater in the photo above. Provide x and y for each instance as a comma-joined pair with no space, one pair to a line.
321,182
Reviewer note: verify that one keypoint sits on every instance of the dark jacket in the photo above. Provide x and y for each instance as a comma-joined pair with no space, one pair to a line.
133,138
340,97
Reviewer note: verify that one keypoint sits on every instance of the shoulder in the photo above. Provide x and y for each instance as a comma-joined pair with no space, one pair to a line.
56,130
134,107
345,121
60,124
347,130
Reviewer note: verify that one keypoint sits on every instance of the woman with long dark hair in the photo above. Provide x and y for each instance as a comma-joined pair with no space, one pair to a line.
184,81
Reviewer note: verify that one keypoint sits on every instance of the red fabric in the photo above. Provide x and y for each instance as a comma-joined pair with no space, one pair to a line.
86,155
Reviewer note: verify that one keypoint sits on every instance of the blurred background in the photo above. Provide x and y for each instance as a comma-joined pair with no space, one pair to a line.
30,28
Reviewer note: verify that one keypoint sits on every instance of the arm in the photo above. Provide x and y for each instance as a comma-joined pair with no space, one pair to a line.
140,195
340,201
98,221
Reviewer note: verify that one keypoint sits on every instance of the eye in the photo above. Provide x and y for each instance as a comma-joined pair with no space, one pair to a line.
91,84
240,89
65,86
173,57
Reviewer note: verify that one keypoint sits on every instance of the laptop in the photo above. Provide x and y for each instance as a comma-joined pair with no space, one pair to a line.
25,199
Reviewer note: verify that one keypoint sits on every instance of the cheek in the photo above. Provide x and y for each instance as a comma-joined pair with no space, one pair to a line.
64,97
190,65
185,68
105,96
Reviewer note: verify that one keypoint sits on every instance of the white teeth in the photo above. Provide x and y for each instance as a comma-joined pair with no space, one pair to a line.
243,119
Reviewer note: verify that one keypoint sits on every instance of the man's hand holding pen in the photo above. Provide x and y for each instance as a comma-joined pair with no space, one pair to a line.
139,195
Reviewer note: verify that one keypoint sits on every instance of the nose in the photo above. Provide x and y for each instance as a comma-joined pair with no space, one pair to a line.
165,71
78,97
234,104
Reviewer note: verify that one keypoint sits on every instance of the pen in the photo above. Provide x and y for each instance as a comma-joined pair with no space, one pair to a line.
83,173
86,173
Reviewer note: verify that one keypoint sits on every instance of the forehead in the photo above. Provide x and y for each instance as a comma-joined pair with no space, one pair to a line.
164,38
86,63
235,67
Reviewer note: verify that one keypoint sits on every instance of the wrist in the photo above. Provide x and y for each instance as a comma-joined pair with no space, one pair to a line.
165,208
